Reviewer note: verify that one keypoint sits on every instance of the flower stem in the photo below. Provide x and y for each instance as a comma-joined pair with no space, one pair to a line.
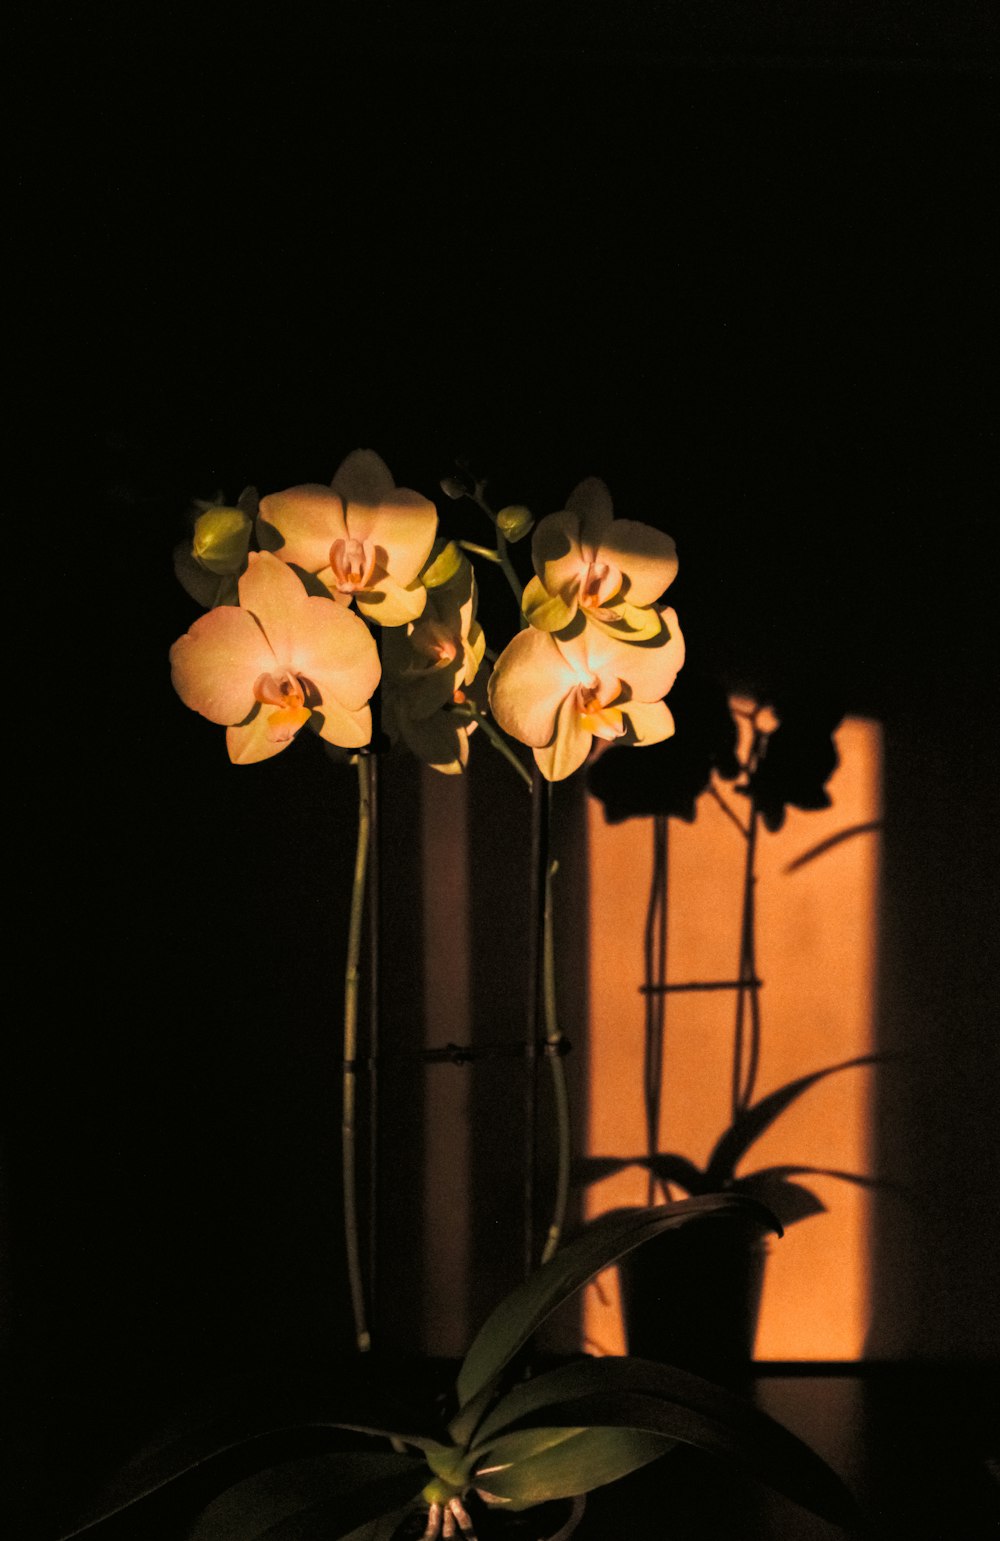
553,1043
500,555
473,714
351,984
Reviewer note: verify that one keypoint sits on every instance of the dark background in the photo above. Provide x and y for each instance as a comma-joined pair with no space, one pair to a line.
740,265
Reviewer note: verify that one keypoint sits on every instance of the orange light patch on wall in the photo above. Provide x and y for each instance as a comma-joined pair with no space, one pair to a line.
816,949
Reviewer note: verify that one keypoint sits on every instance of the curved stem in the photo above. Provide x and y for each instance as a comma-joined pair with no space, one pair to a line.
538,878
351,986
560,1089
473,714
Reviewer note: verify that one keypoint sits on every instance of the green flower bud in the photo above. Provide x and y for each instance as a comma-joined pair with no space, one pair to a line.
514,522
446,559
452,487
221,540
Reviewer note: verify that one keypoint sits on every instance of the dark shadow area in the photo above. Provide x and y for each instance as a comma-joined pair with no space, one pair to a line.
747,275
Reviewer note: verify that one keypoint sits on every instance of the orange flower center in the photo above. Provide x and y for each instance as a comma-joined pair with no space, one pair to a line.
596,713
435,642
600,582
283,691
353,563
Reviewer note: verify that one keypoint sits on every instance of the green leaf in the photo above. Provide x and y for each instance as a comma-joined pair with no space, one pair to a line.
563,1462
241,1418
659,1399
603,1242
381,1529
313,1499
751,1124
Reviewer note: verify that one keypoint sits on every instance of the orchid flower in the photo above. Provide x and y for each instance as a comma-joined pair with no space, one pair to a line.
610,571
279,660
363,537
431,663
559,694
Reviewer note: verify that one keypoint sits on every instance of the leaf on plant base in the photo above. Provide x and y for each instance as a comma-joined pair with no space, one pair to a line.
751,1124
638,1394
242,1418
382,1529
514,1320
564,1462
315,1499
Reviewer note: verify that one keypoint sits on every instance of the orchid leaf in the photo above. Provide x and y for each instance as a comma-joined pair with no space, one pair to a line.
315,1499
659,1399
753,1121
242,1420
514,1320
536,1465
381,1529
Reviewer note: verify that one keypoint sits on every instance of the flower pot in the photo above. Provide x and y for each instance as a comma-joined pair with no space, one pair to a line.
691,1296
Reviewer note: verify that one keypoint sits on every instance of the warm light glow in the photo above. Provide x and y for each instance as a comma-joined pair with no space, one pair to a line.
816,955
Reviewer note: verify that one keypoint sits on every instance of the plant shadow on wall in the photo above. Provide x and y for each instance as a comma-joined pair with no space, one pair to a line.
694,1299
355,619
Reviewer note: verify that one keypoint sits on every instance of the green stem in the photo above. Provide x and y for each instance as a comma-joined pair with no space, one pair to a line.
351,985
500,555
484,551
473,714
553,1043
517,587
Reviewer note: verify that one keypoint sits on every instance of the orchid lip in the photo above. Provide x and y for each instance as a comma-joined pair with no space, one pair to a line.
353,563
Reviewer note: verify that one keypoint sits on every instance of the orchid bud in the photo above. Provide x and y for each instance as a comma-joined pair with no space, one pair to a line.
452,487
514,522
446,559
221,540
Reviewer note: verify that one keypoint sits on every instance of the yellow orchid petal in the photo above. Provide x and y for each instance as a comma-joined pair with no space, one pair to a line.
440,741
530,680
215,665
548,612
557,555
629,623
301,524
338,725
252,741
363,477
570,745
649,722
646,556
390,604
591,502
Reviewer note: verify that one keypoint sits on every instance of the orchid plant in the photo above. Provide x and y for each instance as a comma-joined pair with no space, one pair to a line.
350,600
343,610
